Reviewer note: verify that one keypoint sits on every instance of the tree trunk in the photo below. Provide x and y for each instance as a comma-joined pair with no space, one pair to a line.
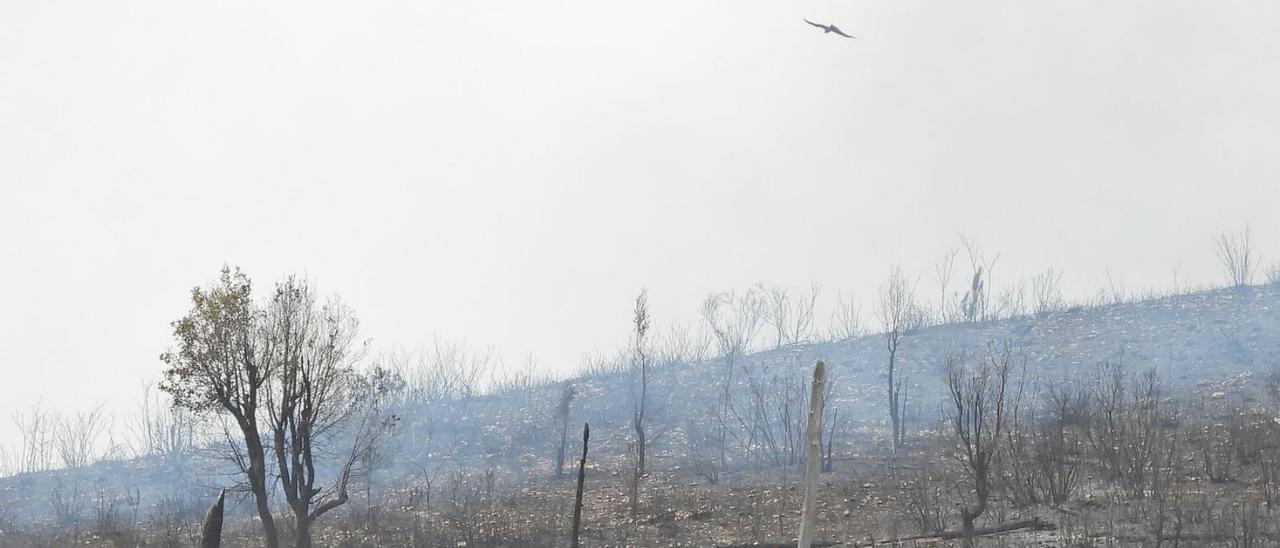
564,440
895,418
582,479
638,471
640,448
258,484
303,539
212,533
967,531
969,514
813,452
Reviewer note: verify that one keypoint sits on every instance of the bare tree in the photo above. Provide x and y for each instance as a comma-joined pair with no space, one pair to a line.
459,369
778,313
36,428
942,272
8,465
77,435
448,370
640,358
1012,301
313,396
734,320
597,365
846,320
682,345
406,363
1115,292
516,381
774,415
899,315
1046,289
159,428
977,417
833,428
1235,253
1273,273
791,318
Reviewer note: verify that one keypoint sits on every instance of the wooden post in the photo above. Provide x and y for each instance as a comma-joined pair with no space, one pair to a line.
582,478
813,453
212,537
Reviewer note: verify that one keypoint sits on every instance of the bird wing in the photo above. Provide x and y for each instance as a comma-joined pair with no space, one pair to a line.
841,33
815,24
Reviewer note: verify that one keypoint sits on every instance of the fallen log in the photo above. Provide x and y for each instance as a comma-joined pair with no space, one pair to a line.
778,544
1185,537
1034,524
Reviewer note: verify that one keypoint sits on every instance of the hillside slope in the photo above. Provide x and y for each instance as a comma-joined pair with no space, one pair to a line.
1201,343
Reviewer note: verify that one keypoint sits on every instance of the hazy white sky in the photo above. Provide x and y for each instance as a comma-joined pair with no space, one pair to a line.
512,172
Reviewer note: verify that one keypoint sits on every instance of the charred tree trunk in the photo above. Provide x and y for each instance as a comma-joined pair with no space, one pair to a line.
211,536
566,398
582,479
813,453
560,455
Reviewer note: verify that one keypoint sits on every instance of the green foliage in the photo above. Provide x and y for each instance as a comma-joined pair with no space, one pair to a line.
214,356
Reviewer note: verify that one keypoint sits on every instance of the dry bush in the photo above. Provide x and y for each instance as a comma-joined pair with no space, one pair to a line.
173,521
1210,442
702,448
1131,420
1046,290
846,320
774,414
1269,476
1248,523
1059,457
1237,256
1043,449
159,428
68,504
926,502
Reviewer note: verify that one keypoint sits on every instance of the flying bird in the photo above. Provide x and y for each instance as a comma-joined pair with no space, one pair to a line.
829,28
